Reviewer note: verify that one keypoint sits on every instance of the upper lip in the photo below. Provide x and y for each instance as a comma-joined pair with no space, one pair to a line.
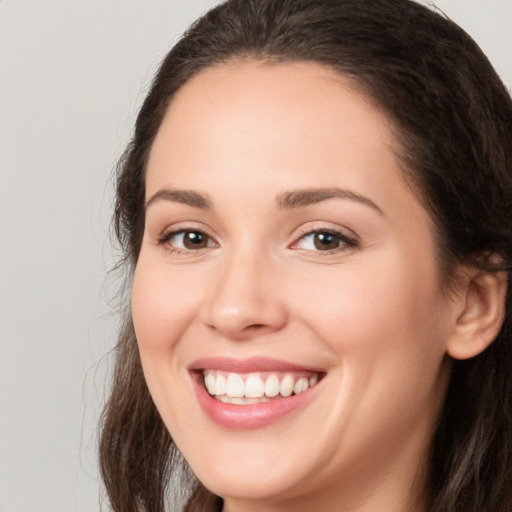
248,365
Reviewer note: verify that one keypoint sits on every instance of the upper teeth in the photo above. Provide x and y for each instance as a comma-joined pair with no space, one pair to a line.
256,385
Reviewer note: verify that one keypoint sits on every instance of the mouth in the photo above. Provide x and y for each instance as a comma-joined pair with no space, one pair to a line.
252,393
257,387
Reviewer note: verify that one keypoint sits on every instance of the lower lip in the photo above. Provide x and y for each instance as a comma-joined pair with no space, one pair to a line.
249,416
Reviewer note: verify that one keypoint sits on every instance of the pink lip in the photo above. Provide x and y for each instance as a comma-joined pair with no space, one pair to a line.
247,416
254,364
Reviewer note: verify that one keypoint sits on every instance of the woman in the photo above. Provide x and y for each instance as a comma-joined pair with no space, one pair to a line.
316,210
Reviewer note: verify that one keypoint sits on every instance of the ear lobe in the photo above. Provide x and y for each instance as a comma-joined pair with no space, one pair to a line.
480,319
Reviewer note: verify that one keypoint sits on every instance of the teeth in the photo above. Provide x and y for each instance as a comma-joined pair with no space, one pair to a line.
300,385
286,388
242,401
232,388
235,386
254,387
209,382
272,386
220,385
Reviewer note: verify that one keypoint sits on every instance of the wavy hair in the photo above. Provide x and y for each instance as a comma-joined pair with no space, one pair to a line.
452,118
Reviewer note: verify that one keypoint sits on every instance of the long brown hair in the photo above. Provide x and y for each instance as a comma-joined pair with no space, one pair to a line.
453,119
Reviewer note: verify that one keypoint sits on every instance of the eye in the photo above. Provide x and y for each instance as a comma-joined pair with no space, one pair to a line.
324,240
188,240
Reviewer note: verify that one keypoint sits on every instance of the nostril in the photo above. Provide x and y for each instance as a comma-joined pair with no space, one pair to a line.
235,318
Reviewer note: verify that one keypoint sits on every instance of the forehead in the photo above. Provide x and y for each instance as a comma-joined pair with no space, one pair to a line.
259,114
274,127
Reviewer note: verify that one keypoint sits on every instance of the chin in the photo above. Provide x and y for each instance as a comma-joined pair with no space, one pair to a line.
249,483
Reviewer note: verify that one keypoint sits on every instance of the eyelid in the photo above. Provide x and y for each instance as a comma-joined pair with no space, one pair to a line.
163,238
172,234
348,238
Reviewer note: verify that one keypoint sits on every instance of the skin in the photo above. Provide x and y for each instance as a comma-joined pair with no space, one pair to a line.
373,315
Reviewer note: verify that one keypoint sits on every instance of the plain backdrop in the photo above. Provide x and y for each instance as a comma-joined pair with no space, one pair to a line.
72,75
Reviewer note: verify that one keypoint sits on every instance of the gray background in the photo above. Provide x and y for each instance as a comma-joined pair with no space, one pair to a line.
72,74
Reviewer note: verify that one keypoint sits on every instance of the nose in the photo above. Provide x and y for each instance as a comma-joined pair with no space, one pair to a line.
245,299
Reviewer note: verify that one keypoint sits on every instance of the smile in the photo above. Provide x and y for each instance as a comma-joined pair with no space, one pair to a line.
259,387
252,393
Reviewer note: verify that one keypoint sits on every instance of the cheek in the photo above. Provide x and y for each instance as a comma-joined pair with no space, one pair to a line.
387,333
385,313
160,298
163,305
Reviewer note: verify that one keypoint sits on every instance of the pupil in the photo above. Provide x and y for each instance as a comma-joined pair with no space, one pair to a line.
194,240
326,241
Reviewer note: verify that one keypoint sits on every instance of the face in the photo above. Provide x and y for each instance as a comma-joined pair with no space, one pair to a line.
286,262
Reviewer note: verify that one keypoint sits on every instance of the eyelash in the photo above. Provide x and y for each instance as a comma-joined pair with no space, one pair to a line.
166,237
344,241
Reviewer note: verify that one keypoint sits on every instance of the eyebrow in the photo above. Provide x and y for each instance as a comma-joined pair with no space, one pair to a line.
188,197
308,196
286,200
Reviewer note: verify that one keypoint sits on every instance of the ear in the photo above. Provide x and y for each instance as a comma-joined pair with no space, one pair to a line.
481,313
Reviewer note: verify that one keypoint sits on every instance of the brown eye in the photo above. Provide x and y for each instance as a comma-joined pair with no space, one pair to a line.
326,241
194,240
188,240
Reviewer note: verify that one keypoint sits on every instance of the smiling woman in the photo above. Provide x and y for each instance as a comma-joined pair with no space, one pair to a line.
316,207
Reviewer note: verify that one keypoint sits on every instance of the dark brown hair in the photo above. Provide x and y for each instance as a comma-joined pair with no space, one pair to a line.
453,121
